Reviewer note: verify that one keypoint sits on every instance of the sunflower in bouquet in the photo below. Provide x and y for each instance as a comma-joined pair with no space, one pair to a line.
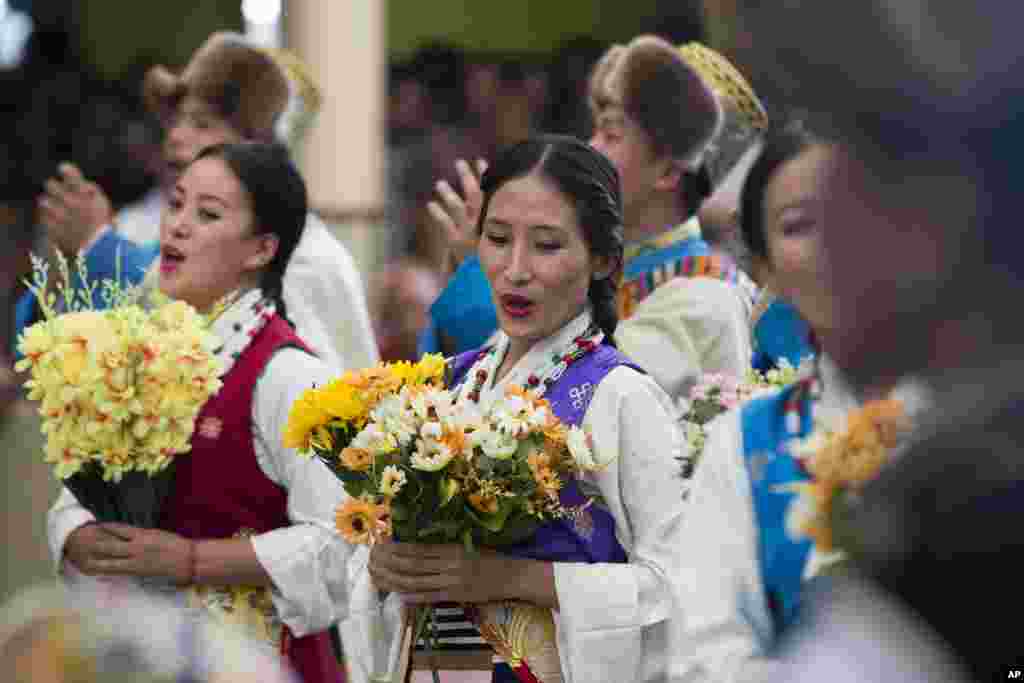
118,389
420,466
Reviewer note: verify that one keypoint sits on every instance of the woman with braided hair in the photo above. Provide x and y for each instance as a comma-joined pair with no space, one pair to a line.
551,246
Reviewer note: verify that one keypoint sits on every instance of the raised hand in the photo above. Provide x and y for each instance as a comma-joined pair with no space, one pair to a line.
73,209
457,216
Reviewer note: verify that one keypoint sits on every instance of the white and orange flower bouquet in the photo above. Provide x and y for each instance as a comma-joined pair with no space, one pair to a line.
118,389
421,466
839,461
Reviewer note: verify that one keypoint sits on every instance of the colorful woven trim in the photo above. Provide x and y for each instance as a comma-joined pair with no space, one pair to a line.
687,230
633,291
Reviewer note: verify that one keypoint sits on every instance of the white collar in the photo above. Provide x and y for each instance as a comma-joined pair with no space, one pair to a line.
535,361
239,323
838,397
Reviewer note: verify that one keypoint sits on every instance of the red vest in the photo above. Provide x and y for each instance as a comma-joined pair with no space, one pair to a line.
219,488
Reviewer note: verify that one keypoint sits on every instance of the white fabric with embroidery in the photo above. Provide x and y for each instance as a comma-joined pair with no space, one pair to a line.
537,361
244,316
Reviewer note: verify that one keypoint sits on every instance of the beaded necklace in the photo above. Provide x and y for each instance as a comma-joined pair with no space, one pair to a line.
241,316
538,384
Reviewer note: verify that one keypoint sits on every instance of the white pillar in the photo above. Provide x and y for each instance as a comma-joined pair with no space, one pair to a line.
342,156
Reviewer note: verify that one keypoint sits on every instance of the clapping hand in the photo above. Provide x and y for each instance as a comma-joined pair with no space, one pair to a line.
73,209
456,215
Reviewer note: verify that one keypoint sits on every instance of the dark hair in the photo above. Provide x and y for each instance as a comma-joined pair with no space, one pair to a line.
781,145
277,194
586,177
695,187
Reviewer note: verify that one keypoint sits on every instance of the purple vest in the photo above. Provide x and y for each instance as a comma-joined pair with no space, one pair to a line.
590,535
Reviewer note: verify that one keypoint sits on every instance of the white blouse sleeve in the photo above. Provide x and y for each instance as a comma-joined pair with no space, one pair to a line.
686,327
613,617
66,515
306,561
728,626
324,293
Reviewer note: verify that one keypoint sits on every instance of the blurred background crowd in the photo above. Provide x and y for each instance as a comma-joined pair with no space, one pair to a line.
409,87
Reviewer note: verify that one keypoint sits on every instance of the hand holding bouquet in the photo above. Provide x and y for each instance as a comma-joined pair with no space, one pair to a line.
118,390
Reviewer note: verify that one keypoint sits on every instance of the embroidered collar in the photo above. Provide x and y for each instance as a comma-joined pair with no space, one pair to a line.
688,230
830,397
537,361
243,316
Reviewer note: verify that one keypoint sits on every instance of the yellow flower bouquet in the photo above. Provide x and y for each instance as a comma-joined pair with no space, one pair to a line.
420,466
119,389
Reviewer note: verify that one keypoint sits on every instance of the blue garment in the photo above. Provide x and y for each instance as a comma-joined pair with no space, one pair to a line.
770,467
464,311
101,263
651,260
780,333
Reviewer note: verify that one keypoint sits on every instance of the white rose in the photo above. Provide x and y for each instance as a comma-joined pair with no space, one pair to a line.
431,430
431,456
498,445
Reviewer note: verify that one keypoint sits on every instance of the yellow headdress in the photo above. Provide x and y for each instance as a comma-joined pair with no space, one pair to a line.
305,96
734,91
745,116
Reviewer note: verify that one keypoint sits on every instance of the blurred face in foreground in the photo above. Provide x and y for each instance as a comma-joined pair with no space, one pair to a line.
896,241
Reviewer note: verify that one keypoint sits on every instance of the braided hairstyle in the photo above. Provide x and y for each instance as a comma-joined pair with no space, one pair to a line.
279,203
587,178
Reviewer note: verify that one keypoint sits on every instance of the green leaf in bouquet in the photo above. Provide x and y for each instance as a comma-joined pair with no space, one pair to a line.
358,487
447,529
485,465
399,511
383,460
413,490
341,435
491,522
447,489
519,527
